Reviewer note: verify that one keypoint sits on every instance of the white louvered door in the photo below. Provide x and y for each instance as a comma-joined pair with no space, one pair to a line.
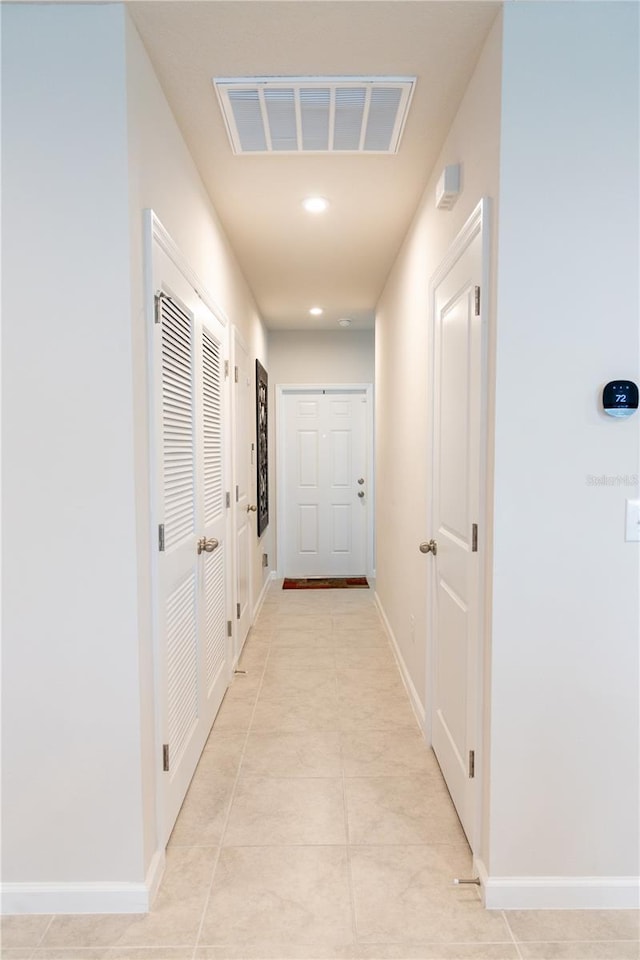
189,351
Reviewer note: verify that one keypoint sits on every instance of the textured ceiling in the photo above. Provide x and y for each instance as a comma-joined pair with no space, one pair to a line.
292,260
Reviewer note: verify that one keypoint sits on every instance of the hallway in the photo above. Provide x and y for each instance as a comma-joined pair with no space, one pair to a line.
318,826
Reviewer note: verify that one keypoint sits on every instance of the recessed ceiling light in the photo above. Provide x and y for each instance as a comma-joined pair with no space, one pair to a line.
315,204
316,311
344,322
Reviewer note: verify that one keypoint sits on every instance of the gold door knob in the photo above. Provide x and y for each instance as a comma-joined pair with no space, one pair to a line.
207,545
251,508
429,546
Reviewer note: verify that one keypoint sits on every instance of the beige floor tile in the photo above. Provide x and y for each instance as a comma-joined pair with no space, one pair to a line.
282,682
173,920
292,755
388,753
234,715
116,953
286,811
222,754
585,950
277,951
400,810
284,637
253,658
203,815
552,925
371,711
363,657
22,931
302,658
353,682
308,621
357,638
319,712
438,951
295,895
409,888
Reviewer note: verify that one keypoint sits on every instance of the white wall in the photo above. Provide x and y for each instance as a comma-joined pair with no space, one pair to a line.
163,177
564,698
402,364
323,356
71,713
555,140
88,143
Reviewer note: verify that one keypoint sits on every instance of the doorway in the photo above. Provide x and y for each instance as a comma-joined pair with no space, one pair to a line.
456,442
325,470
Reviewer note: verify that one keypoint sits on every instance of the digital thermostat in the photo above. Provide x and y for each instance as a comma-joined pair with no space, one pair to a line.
620,398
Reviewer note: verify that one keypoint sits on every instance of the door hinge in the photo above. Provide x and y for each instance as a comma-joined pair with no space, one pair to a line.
237,611
472,764
229,628
226,369
161,537
227,498
165,757
237,492
157,305
474,538
477,301
236,374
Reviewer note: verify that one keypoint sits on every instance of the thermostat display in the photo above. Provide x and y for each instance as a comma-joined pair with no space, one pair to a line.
620,398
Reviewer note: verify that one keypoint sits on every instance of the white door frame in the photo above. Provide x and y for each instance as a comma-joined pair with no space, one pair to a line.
236,339
478,223
282,389
155,233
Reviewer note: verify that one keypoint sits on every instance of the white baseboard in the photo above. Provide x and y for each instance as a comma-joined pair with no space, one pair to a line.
265,587
414,699
62,898
559,893
155,874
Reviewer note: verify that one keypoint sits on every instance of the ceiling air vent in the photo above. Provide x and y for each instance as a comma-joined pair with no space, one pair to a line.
315,114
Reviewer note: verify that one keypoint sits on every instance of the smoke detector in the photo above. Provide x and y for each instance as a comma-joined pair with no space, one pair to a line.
448,187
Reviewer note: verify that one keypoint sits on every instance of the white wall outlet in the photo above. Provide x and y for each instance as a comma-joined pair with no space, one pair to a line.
633,520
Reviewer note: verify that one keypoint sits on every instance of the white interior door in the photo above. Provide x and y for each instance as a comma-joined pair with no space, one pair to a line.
188,349
243,524
455,505
324,463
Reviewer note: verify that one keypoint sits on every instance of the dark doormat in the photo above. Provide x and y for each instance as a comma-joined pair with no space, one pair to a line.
323,583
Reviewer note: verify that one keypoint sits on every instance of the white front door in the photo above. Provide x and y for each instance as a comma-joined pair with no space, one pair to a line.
243,460
190,421
454,570
325,474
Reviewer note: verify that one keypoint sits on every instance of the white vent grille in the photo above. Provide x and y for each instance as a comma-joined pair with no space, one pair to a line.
177,422
215,621
212,427
315,114
182,667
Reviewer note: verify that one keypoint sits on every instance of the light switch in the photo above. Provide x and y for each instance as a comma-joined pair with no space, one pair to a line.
633,520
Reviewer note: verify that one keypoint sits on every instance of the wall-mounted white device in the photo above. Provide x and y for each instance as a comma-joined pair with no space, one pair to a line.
448,187
620,398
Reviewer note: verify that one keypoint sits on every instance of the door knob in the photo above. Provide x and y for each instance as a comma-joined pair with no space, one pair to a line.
361,480
207,545
361,493
429,546
251,508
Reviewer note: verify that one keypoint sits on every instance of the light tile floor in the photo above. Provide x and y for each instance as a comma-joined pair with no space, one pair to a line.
318,826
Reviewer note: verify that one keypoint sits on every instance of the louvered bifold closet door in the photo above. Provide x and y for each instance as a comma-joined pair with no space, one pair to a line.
214,510
179,567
